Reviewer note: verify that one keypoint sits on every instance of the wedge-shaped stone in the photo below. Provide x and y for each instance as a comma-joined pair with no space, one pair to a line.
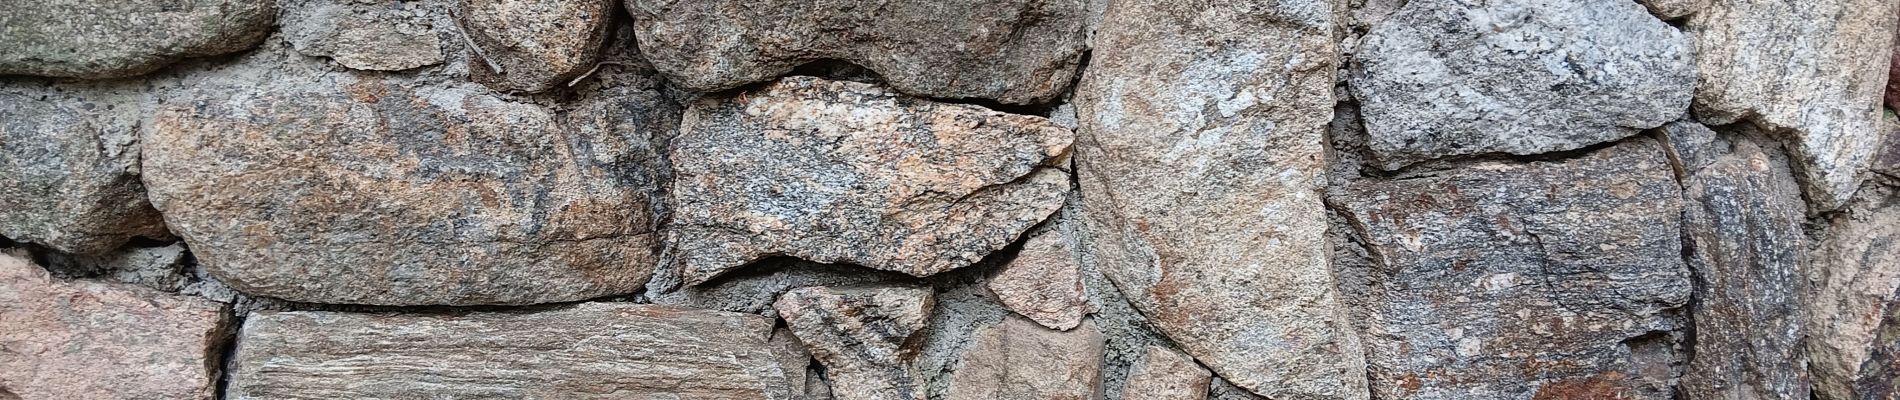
1201,157
1814,71
585,351
867,338
84,340
1044,283
1012,51
68,163
120,38
381,35
1460,77
1854,330
844,172
1540,280
534,45
1017,359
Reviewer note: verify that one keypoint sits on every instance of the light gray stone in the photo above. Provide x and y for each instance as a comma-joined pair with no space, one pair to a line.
1200,160
867,338
119,38
1165,374
380,35
1850,308
1043,283
845,172
69,159
1463,77
534,45
1017,359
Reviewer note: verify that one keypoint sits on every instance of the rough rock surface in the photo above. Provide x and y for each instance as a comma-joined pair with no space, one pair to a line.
1200,160
1814,71
381,35
1017,359
82,340
1461,77
115,38
845,172
1744,220
1850,308
1887,160
1673,9
1011,51
1165,374
68,169
867,338
1537,280
1043,283
534,45
370,189
585,351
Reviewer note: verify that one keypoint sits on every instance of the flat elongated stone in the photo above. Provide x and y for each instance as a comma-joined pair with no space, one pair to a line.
370,189
1541,280
1011,51
1201,158
585,351
1044,283
1165,374
844,172
68,164
1016,359
1460,77
534,45
1812,71
867,338
120,38
84,340
381,35
1852,335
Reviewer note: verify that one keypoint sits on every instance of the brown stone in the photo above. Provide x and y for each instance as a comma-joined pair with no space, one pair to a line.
1044,283
1853,330
534,45
1016,359
867,338
1165,374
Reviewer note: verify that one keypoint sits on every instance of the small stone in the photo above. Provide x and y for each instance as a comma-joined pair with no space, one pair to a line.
1016,359
585,351
1887,160
1673,9
69,176
534,45
161,268
1044,283
379,35
1448,78
1165,374
867,338
98,39
845,172
1010,51
1851,308
85,340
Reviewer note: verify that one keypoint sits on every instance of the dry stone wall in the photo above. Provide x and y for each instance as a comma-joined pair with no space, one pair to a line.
949,199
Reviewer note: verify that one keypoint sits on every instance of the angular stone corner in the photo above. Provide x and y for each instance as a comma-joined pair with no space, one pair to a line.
1852,312
585,351
68,169
378,35
1462,77
1010,51
534,45
1534,280
1673,9
98,39
867,338
1017,359
83,340
1201,155
844,172
1044,283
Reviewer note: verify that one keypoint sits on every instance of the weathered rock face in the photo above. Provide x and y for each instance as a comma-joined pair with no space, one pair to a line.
1887,160
1044,283
1164,374
115,38
68,169
844,172
1672,9
1017,359
867,338
1744,220
1850,310
586,351
363,189
1012,51
1460,77
1810,70
382,35
1536,280
534,45
84,340
1202,137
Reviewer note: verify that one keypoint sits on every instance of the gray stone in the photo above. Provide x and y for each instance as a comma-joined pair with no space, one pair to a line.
1165,374
867,338
1813,72
1462,77
845,172
584,351
87,340
119,38
1200,162
754,289
1887,160
368,188
1852,325
69,159
1011,51
1017,359
534,45
381,35
1673,9
161,268
1043,283
1544,280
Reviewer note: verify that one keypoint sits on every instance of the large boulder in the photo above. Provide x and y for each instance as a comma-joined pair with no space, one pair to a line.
120,38
69,158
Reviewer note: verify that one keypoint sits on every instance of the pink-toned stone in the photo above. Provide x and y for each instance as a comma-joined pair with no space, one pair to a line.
1017,359
1044,283
1165,374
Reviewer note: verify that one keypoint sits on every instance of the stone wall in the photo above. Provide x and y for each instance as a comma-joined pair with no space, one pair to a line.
949,199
